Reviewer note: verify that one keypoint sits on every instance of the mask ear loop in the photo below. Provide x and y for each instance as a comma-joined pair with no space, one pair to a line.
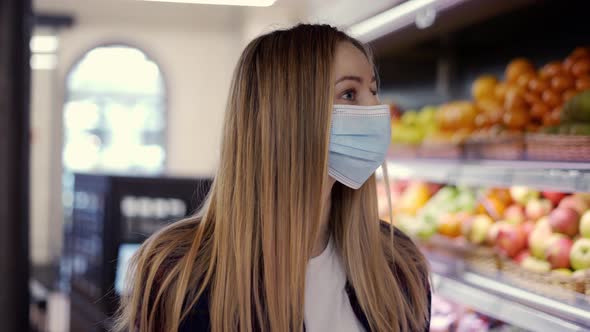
387,190
390,208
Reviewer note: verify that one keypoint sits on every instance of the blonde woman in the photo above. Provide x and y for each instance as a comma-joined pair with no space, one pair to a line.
289,238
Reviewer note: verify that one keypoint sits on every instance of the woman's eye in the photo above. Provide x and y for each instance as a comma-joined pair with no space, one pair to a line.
349,95
374,92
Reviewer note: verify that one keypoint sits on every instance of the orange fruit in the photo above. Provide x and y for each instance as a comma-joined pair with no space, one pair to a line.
550,70
551,98
500,91
562,82
483,87
580,52
518,67
494,206
514,98
532,97
538,110
581,67
583,83
449,225
538,85
551,118
516,119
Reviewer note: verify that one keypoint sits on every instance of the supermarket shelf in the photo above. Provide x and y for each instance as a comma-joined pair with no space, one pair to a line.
513,305
562,176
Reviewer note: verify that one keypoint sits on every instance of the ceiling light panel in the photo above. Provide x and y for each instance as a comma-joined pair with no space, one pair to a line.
251,3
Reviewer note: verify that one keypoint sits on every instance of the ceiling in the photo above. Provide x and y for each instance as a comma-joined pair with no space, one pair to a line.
337,12
163,13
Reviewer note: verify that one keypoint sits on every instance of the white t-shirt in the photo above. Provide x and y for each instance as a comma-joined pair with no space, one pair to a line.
327,307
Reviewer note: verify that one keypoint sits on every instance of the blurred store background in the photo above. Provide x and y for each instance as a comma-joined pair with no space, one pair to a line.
490,155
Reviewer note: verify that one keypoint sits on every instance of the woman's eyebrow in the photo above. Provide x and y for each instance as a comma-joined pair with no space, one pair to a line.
349,77
353,78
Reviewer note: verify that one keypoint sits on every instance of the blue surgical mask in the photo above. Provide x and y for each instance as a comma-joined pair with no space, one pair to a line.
359,140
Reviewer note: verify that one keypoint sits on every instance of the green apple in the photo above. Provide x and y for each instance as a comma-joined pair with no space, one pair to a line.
580,254
479,228
523,194
536,265
426,230
585,225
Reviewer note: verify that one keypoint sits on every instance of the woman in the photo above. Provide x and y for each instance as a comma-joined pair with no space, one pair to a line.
289,237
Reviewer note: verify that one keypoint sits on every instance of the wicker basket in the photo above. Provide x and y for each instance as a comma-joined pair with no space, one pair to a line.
558,147
441,150
403,151
501,148
486,261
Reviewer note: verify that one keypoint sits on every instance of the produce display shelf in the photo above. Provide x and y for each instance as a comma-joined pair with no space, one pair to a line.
493,296
559,176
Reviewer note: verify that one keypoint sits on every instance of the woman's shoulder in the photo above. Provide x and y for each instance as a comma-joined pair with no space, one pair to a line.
409,264
413,259
198,318
401,241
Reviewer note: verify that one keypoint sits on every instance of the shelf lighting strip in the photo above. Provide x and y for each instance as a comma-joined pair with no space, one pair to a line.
548,303
396,18
567,177
498,307
251,3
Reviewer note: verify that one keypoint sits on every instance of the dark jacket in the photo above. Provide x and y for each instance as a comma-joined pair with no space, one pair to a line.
198,319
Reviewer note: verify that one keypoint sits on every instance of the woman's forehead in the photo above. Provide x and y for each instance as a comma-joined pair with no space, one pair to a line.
349,60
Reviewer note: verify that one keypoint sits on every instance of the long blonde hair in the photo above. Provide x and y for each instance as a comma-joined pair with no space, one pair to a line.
248,247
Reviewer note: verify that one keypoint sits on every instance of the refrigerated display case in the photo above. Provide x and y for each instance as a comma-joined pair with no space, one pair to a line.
498,62
449,316
458,229
111,217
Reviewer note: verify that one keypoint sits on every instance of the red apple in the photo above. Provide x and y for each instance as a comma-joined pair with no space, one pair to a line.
433,187
522,256
584,196
558,251
538,208
539,237
574,202
565,220
514,214
493,231
527,228
401,185
554,196
449,225
510,240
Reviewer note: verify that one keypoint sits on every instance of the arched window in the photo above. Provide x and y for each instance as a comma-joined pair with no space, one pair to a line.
115,113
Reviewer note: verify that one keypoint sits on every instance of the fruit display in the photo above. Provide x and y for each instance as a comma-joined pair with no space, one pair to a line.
541,231
414,126
445,212
530,99
552,99
575,117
